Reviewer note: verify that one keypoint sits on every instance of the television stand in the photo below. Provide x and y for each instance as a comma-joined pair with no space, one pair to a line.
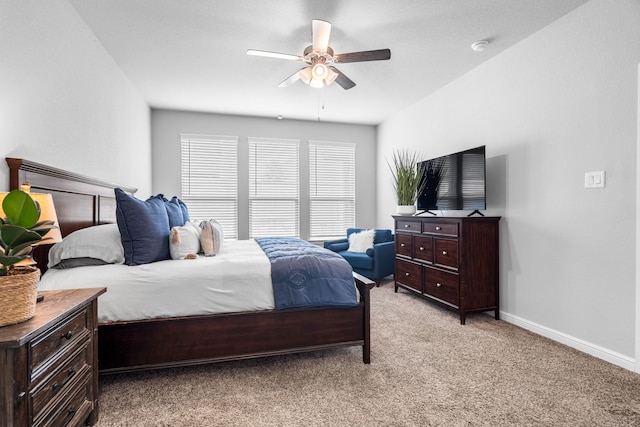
476,212
427,211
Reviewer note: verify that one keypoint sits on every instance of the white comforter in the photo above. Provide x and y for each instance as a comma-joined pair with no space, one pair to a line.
237,279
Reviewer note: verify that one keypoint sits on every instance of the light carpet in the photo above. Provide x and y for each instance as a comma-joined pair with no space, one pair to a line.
426,370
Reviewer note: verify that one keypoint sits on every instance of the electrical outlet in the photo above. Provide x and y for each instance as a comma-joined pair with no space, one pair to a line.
594,179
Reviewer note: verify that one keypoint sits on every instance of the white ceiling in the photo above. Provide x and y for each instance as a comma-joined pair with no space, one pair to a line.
191,55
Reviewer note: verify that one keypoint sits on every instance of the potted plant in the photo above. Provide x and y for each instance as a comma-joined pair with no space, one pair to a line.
19,231
406,172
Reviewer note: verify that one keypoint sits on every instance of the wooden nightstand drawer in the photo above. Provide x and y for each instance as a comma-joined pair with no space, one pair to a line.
404,245
441,285
57,342
73,411
62,380
446,253
423,248
411,274
439,227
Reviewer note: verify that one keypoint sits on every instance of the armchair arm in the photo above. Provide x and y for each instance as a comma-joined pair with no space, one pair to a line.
384,259
337,245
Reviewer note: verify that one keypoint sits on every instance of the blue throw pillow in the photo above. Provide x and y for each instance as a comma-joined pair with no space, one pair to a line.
174,211
144,228
185,210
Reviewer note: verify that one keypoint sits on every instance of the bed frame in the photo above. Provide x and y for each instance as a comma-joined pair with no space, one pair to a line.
82,201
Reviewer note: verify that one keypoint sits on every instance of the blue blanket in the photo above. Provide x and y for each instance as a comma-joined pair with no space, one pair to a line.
307,275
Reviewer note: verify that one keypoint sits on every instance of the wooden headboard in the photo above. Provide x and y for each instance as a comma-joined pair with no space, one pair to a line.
80,201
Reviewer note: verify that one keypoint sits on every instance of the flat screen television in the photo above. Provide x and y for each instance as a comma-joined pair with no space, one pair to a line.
454,182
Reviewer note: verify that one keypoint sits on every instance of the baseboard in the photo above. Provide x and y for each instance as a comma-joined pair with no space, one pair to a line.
584,346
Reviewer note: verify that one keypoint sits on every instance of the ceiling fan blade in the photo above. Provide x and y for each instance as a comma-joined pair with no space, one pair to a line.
320,32
367,55
345,82
277,55
292,78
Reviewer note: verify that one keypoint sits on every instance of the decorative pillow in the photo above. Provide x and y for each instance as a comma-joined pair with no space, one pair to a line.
100,242
183,207
144,228
184,241
211,237
174,210
360,242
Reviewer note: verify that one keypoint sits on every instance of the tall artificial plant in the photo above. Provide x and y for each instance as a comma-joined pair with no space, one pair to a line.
406,172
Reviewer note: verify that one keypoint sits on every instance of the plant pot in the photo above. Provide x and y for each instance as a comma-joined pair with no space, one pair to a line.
18,294
406,209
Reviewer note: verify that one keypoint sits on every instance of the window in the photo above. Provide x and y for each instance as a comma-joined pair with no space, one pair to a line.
210,179
274,189
331,188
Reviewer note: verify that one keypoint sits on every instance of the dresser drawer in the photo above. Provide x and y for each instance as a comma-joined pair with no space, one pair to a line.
62,380
409,274
423,248
446,253
442,285
441,228
56,343
404,245
408,225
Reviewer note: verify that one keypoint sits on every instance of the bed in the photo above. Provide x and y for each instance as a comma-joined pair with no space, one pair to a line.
130,345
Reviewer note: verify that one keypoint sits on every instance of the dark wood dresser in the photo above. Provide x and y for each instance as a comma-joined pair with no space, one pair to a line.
50,363
452,261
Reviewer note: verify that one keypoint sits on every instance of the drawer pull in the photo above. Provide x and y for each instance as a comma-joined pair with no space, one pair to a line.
438,285
407,226
421,248
406,274
444,252
438,228
402,245
68,335
56,386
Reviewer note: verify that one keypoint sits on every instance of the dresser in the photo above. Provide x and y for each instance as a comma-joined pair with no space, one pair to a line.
451,261
49,364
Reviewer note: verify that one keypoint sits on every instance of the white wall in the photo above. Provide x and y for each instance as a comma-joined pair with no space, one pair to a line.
64,102
560,103
166,127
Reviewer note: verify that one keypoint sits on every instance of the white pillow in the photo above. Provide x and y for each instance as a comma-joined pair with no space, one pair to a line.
211,237
101,242
361,241
184,241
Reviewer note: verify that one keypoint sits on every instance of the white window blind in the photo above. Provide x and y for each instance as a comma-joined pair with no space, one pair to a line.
210,179
332,188
274,206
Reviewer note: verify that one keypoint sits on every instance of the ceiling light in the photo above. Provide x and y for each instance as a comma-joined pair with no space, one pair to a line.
480,45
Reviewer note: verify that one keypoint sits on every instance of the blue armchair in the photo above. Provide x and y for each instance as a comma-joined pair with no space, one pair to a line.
376,263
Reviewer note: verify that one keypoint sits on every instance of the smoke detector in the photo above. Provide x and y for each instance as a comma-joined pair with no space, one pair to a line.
480,45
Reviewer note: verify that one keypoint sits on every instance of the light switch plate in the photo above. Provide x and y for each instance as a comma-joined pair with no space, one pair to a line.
594,179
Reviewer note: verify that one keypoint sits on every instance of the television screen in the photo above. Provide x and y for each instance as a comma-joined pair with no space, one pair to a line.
454,182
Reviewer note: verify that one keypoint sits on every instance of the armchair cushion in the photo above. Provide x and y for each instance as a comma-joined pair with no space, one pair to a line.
358,260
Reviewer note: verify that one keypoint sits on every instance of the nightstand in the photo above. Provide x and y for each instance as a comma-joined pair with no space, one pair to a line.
49,364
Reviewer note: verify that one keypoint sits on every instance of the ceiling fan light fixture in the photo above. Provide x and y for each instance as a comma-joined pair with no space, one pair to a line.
319,71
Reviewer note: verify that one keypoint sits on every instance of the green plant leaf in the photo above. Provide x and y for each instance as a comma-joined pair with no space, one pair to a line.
20,209
14,236
10,260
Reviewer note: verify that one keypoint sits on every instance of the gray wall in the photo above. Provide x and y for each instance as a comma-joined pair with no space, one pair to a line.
560,103
64,102
166,127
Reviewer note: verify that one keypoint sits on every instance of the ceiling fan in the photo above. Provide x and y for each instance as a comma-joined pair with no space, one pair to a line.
319,57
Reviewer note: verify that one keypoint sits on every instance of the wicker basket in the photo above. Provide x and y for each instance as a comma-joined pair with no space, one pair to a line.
18,295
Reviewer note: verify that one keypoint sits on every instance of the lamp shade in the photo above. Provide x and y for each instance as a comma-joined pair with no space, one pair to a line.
47,212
